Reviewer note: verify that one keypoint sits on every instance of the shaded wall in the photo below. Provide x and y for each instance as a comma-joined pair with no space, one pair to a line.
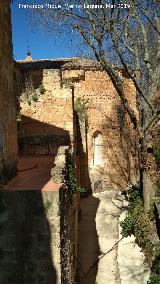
8,128
40,112
39,138
29,238
31,246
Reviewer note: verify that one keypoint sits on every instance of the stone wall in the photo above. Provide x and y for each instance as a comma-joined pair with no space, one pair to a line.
38,242
29,237
8,127
32,225
46,119
69,236
104,142
68,206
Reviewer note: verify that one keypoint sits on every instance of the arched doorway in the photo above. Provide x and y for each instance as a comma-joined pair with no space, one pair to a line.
97,149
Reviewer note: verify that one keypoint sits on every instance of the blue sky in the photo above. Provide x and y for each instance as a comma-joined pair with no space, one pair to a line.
42,44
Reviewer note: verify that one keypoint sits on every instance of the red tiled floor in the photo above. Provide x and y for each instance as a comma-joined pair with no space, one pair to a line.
34,173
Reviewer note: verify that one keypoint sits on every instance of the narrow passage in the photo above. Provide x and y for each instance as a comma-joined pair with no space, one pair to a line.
98,233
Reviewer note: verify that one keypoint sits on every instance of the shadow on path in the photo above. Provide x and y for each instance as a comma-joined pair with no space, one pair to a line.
88,245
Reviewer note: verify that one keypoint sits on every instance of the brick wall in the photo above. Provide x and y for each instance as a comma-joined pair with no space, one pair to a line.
115,162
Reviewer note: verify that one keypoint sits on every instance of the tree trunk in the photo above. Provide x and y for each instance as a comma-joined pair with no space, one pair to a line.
148,168
148,190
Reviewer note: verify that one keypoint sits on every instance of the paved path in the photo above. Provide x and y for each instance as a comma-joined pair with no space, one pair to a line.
34,173
98,232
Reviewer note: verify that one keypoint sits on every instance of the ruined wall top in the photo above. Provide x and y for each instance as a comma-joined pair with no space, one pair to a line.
58,63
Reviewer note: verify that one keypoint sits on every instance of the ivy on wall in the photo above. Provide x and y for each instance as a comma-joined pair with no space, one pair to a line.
80,106
142,226
30,93
70,176
157,157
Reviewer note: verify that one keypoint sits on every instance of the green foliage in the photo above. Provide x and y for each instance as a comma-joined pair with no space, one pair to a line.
42,89
80,107
158,187
151,212
18,116
128,226
157,156
29,102
71,180
155,269
137,222
133,194
155,272
31,93
154,279
35,97
47,205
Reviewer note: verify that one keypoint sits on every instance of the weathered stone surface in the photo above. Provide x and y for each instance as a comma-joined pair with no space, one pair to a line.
116,164
131,260
32,225
69,236
25,240
111,262
8,127
53,116
60,163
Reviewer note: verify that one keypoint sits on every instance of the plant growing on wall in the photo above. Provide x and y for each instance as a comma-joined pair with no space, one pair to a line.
70,176
158,188
18,116
35,97
142,227
30,93
47,205
42,89
28,89
29,102
80,106
157,157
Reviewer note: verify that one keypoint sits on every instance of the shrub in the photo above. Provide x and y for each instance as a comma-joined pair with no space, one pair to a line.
80,107
42,89
70,177
155,272
157,156
29,102
47,205
18,116
158,187
137,222
35,97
